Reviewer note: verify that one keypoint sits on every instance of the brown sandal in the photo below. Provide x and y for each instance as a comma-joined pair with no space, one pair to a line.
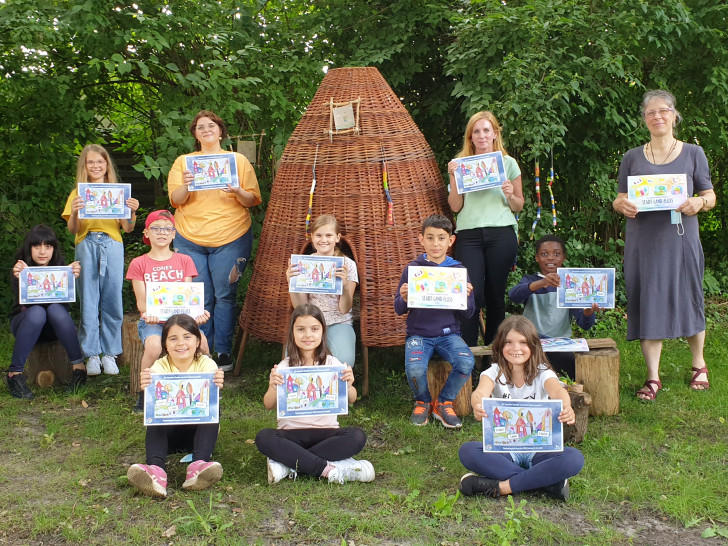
648,391
704,384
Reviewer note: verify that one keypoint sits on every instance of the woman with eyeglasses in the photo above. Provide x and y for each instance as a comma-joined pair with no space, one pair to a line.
100,251
663,257
214,228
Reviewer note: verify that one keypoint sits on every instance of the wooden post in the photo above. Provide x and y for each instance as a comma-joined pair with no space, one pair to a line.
437,373
598,371
48,365
133,350
241,353
580,401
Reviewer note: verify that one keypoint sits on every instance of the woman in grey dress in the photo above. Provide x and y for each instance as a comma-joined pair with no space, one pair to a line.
663,257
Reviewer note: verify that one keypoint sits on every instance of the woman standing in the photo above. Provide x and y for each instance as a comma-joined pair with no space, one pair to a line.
663,257
486,228
214,229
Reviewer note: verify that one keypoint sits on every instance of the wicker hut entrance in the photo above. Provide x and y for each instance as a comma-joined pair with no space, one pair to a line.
349,167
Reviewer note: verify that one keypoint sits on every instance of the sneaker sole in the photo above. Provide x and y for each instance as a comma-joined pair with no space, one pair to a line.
144,482
208,477
366,474
444,424
227,368
419,424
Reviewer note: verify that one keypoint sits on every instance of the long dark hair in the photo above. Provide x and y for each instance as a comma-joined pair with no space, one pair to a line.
295,358
188,324
526,328
40,235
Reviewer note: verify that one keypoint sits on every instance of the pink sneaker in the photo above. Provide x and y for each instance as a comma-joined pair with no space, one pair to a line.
201,475
149,479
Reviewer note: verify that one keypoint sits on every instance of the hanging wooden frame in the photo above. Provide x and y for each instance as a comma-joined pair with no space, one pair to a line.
343,118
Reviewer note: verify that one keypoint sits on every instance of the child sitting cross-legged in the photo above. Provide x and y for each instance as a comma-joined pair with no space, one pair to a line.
538,293
432,331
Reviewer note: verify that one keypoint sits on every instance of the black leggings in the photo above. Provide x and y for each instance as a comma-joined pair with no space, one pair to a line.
164,439
488,254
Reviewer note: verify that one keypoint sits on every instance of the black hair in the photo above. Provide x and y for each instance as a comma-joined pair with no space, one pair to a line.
295,358
437,221
39,235
550,239
188,324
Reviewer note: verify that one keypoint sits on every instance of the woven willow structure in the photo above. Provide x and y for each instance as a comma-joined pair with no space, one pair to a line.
349,185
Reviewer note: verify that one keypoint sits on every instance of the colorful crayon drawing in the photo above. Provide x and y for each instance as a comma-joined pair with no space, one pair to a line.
105,201
312,390
215,171
657,192
580,288
183,398
165,299
47,284
522,425
564,345
480,172
437,287
317,274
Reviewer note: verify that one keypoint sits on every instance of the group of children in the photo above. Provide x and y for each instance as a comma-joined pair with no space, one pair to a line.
321,333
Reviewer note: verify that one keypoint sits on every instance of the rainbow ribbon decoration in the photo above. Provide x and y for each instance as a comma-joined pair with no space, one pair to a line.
551,191
310,196
538,195
385,183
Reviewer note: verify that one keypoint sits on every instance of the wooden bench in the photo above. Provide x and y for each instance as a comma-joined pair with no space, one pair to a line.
437,373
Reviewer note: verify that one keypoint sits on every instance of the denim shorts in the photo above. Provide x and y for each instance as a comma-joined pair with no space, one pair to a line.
145,330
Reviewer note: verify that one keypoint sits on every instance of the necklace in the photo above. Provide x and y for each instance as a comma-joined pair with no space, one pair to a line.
669,153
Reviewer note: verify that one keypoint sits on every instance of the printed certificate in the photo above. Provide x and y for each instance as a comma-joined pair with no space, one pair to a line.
657,192
47,284
312,390
181,399
522,425
581,287
212,172
437,287
104,201
564,345
480,172
165,299
317,274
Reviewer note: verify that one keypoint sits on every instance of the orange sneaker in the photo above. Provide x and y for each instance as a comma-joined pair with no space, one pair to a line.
421,414
444,412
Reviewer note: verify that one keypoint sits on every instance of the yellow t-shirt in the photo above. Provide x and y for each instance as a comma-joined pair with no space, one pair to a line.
213,218
203,364
109,226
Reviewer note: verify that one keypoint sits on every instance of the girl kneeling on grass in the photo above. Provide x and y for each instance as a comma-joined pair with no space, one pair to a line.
181,339
315,445
520,370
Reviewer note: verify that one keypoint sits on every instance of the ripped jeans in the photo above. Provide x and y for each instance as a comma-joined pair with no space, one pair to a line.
417,353
219,268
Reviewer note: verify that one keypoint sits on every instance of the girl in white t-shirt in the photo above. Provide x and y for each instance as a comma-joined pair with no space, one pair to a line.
315,445
520,370
340,336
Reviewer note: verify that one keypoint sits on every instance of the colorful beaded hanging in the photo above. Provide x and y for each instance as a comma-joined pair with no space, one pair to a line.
385,183
310,196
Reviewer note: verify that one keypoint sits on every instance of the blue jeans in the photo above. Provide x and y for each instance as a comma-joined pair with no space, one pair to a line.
145,330
341,340
417,353
219,268
101,279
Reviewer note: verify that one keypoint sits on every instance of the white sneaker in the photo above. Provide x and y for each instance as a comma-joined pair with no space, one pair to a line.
93,365
351,470
109,364
278,471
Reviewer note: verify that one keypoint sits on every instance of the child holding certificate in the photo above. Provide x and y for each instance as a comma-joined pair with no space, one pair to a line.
520,370
181,339
41,321
340,336
160,264
538,293
316,445
435,331
100,251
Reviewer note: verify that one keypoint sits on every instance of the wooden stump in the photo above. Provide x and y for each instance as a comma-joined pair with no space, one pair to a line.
48,365
580,401
437,372
598,371
133,350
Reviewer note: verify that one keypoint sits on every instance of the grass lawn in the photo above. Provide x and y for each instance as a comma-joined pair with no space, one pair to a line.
654,474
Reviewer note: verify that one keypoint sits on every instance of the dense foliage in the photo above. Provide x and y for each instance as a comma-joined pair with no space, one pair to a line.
564,77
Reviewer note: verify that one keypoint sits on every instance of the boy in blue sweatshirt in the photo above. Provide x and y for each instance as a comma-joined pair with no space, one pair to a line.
538,293
435,331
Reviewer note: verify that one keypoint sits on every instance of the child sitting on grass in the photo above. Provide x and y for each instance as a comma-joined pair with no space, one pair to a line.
435,331
538,293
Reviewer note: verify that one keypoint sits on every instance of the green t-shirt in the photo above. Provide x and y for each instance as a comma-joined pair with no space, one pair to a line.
489,208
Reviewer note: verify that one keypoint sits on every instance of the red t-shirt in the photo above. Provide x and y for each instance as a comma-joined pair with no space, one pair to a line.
175,269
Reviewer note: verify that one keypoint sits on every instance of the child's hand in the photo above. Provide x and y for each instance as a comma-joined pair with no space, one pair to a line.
275,378
342,272
76,268
348,375
219,378
203,318
403,291
478,412
292,271
18,267
589,311
552,279
567,415
145,378
133,204
470,288
150,319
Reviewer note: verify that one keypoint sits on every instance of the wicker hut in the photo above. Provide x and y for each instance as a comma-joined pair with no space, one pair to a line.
349,165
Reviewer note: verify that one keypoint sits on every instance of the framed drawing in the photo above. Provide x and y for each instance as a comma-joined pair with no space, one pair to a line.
165,299
312,390
480,172
513,424
657,192
582,287
181,399
104,201
213,171
316,274
47,284
437,287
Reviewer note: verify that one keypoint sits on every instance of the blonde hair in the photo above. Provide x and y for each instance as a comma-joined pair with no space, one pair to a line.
82,173
468,148
525,327
327,220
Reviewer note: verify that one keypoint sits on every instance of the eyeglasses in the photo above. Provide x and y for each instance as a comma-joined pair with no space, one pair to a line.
662,111
97,163
161,230
209,126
